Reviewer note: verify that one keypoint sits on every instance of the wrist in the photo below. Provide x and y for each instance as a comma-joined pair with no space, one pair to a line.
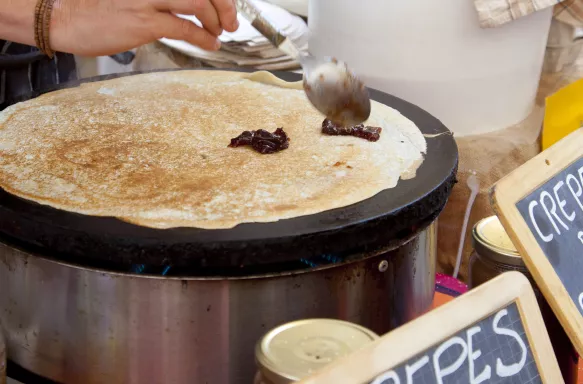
59,35
17,21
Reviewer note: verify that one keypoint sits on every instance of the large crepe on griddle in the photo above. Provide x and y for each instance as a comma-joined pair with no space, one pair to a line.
152,150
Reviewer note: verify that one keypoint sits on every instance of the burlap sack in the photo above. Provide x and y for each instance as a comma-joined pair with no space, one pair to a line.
490,156
493,156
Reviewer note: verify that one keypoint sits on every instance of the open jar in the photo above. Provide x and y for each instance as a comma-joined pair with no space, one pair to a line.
493,254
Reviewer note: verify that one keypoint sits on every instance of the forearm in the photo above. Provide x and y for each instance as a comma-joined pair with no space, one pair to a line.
17,21
106,27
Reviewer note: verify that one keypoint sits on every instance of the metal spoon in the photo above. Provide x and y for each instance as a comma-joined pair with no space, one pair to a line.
330,86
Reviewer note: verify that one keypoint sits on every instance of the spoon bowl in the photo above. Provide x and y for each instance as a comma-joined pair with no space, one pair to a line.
329,85
335,91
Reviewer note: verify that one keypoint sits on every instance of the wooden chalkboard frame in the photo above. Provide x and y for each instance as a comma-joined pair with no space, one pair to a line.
504,197
438,325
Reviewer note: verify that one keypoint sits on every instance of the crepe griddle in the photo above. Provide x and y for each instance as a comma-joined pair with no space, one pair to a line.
385,221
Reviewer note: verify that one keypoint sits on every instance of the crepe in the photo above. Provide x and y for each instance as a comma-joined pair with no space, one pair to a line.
151,150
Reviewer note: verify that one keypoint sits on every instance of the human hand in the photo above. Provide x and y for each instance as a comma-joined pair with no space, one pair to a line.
105,27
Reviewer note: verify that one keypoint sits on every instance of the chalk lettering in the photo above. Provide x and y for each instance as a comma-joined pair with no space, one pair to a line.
441,372
562,202
580,236
411,369
572,180
503,370
552,211
531,207
383,379
581,300
473,356
489,350
580,172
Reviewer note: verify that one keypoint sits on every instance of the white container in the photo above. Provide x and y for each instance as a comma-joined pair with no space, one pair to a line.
434,54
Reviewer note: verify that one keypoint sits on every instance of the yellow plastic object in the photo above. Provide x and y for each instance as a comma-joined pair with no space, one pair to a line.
563,114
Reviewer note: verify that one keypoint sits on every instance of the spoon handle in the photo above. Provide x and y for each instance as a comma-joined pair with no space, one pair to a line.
260,23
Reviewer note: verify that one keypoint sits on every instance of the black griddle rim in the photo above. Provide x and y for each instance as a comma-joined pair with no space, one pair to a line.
130,242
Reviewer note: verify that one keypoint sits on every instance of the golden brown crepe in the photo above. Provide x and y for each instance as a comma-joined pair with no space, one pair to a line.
152,150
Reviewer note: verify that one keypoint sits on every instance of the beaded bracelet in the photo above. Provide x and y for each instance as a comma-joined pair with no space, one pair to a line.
42,21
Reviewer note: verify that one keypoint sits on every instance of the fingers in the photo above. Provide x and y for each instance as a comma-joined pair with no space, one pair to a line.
215,15
227,13
173,27
204,11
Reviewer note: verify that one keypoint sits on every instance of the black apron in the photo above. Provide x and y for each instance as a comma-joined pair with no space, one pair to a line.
24,70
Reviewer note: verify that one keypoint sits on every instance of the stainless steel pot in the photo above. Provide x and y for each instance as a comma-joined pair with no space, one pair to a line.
78,325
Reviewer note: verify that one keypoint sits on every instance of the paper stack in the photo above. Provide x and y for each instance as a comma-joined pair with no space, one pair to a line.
246,47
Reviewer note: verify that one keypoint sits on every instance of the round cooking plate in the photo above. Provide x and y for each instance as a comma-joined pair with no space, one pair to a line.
389,218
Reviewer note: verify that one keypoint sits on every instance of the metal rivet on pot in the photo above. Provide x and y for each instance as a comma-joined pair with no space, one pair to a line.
383,266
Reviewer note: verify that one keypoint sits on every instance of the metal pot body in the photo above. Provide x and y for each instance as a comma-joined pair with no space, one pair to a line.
78,325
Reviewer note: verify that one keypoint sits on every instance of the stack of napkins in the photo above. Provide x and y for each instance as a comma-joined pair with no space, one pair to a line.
246,47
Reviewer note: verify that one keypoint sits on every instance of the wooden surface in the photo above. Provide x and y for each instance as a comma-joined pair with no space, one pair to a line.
512,189
443,322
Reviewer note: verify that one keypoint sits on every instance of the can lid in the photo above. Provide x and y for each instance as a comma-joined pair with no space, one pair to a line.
491,240
298,349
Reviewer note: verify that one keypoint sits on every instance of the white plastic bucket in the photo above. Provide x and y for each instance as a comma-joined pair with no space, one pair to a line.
434,54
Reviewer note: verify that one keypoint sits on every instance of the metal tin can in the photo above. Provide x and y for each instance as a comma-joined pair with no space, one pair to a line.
296,350
493,254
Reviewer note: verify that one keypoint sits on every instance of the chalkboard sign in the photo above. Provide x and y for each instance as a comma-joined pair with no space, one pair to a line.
554,214
492,334
541,207
491,350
